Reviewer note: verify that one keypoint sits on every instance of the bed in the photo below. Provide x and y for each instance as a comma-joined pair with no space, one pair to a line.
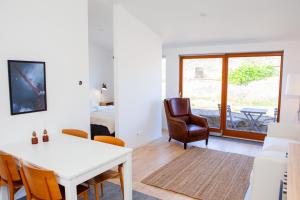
102,121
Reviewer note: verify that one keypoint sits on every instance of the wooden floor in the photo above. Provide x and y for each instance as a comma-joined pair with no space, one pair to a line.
152,156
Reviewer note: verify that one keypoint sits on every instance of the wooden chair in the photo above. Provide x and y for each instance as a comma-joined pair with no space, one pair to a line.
9,174
75,132
42,184
110,173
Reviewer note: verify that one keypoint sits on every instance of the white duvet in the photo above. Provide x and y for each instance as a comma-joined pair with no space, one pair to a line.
104,116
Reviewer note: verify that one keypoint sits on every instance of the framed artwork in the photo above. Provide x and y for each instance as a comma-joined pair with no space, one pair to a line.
27,86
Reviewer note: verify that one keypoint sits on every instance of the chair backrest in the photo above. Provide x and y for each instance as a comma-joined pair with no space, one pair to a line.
219,108
275,114
40,183
178,107
8,169
228,108
75,132
110,140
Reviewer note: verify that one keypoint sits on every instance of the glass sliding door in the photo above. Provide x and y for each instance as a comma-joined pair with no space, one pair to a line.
239,94
252,92
202,78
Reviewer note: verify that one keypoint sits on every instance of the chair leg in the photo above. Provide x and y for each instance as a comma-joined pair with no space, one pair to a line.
86,195
96,188
170,139
120,170
206,142
234,125
185,144
11,193
102,189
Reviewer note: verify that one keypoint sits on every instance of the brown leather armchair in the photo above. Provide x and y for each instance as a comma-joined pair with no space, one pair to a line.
182,124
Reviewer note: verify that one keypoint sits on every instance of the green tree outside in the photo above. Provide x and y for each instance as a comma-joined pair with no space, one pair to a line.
247,73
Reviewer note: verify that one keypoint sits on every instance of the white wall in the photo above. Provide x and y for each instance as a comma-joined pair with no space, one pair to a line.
138,54
101,71
291,65
57,33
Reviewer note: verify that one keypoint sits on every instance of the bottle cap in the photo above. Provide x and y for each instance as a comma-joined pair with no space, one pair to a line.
34,134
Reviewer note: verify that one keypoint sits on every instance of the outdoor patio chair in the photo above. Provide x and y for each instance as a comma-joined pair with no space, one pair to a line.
269,119
275,115
229,116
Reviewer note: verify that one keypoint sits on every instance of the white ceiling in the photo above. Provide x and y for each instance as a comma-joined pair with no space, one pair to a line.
188,22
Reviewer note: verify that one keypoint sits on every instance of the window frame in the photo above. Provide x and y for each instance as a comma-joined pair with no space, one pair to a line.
224,89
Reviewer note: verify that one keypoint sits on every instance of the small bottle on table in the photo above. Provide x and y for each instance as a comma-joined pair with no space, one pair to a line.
34,138
45,136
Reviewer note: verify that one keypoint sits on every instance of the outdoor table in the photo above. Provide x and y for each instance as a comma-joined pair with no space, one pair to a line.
253,115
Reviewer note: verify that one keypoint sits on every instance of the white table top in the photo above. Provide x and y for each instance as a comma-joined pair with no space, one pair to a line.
67,156
254,110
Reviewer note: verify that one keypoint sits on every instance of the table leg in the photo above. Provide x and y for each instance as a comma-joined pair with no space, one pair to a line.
128,177
253,125
256,120
249,119
71,192
4,193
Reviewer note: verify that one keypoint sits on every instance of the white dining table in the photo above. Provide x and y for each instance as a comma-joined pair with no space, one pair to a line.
74,160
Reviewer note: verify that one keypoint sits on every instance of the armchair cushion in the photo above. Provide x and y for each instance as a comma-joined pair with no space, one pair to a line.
195,130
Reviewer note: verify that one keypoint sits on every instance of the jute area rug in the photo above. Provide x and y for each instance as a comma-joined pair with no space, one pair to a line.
205,174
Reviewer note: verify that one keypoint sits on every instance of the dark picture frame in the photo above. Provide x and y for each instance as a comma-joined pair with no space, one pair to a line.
27,86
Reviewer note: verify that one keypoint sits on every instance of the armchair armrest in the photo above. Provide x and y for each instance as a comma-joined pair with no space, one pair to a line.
289,131
201,121
177,125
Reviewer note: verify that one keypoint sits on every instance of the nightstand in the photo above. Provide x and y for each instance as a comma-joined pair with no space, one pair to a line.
106,103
